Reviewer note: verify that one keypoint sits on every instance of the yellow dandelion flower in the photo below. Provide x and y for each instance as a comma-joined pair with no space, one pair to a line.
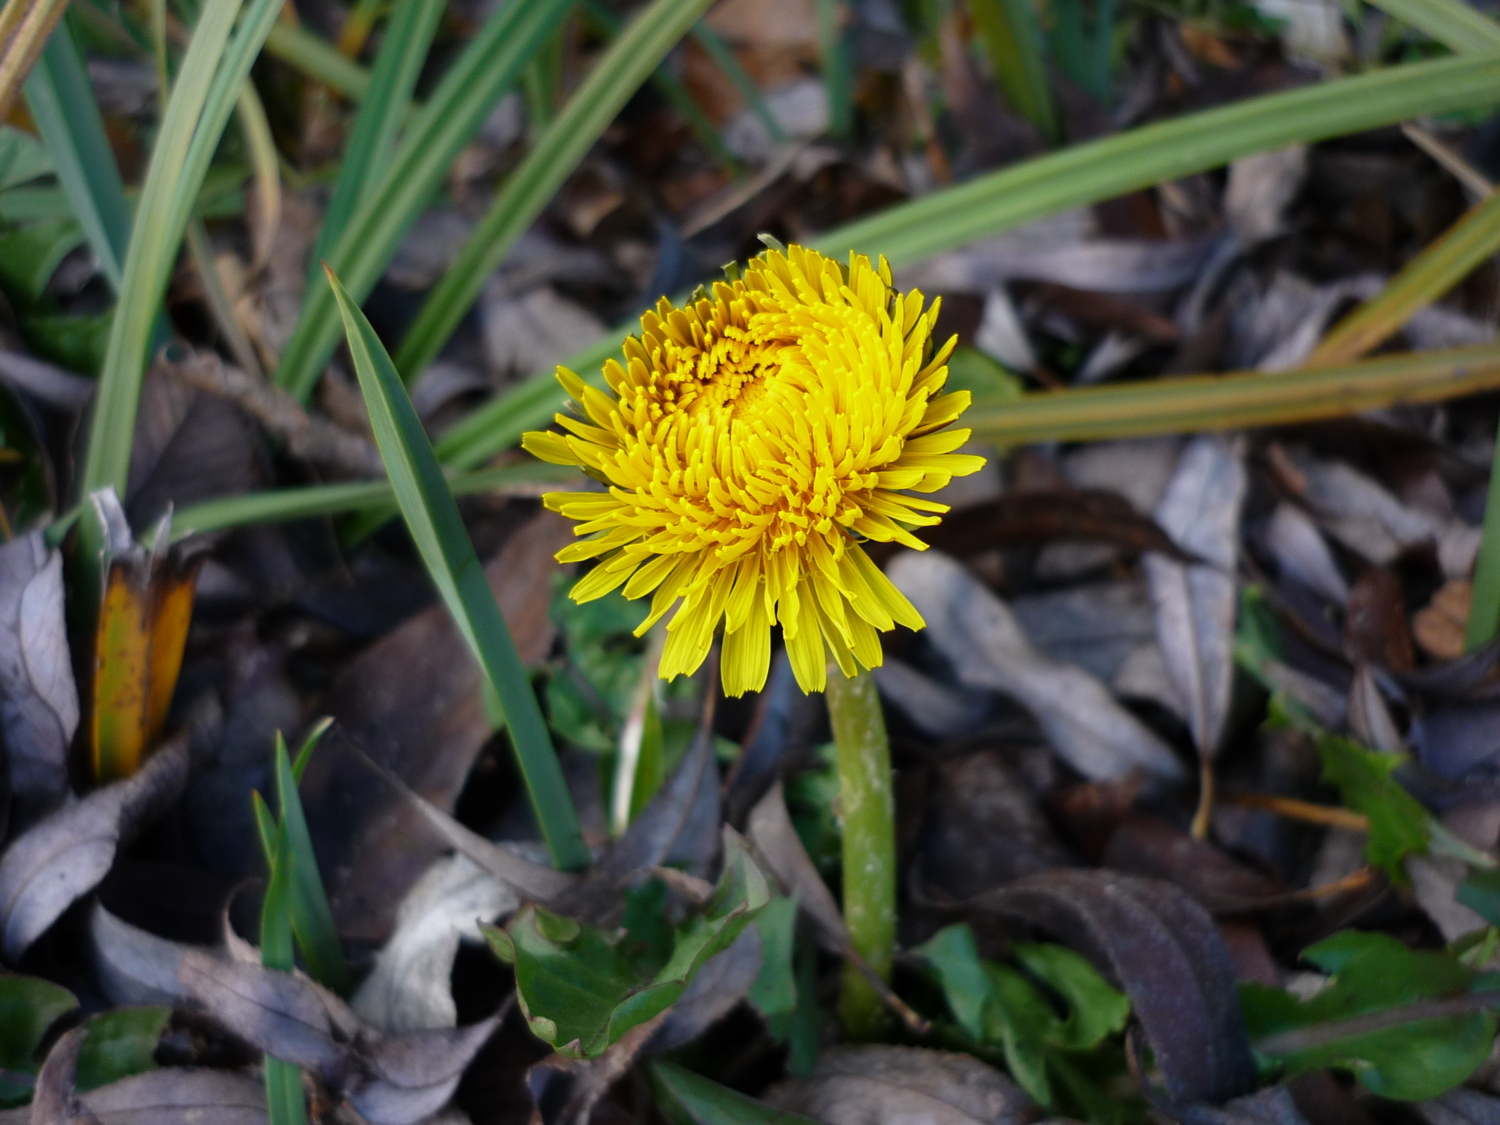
752,440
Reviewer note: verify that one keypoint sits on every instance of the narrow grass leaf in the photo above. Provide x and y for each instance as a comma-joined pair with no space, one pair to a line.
488,67
25,26
1459,27
1075,177
629,61
1440,266
265,168
1484,604
704,1102
312,918
438,531
408,37
838,67
357,496
318,59
1013,40
62,104
723,57
208,84
285,1103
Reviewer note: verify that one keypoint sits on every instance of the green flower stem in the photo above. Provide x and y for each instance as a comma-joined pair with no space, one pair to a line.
868,809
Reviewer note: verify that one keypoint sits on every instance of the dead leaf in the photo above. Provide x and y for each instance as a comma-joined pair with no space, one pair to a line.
1461,1106
407,1078
54,1101
566,1090
1369,717
133,966
65,855
980,638
1375,628
412,703
1145,845
173,1096
1439,626
1195,603
410,987
1302,553
877,1085
718,985
1160,946
779,850
38,699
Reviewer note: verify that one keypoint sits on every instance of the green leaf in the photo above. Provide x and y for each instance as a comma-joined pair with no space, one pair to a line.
1374,973
1075,177
627,63
1013,40
119,1043
62,103
285,1102
438,531
318,59
1399,825
1095,1009
30,255
1453,23
581,990
689,1097
207,87
28,1007
352,496
312,918
1480,892
22,158
387,102
774,993
452,116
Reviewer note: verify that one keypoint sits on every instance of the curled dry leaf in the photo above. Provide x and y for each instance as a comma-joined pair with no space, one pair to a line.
1303,554
64,856
133,966
38,699
1195,602
979,636
55,1102
410,987
877,1085
407,1078
1160,947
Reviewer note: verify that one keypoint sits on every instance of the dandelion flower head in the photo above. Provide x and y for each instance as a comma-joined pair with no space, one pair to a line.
751,441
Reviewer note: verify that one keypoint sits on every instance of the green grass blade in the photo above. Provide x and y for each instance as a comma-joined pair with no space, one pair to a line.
723,56
1441,265
312,918
318,59
309,744
1074,177
1484,605
1452,23
355,496
1013,40
438,531
629,62
704,1102
62,105
673,90
407,39
203,97
486,69
285,1102
838,67
150,255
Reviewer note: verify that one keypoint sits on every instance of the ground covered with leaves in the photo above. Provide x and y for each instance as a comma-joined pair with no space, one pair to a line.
1196,764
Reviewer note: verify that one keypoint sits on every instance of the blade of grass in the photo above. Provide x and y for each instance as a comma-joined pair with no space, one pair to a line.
438,531
723,57
265,167
629,61
213,70
838,67
354,496
220,307
486,69
673,90
408,37
1452,23
285,1103
312,918
704,1102
1236,401
62,104
1013,40
1074,177
1484,602
318,59
25,26
1444,263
